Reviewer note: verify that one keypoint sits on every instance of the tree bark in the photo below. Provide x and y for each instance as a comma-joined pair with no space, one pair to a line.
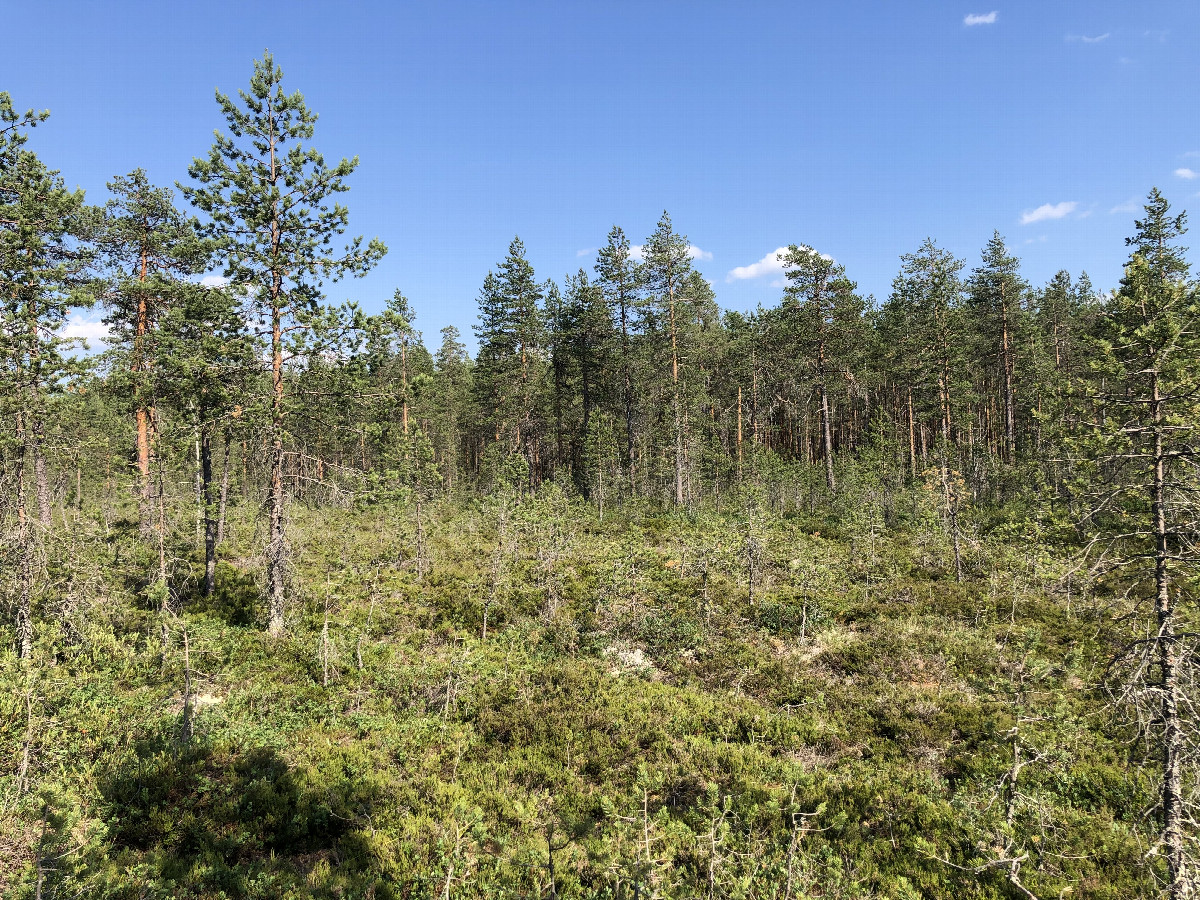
142,414
276,541
675,403
827,439
38,437
627,386
210,523
25,542
224,491
1010,424
276,552
1168,659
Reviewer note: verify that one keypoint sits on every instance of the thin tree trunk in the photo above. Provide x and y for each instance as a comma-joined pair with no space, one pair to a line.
224,491
912,436
675,403
275,548
627,389
739,432
1010,427
39,472
827,437
276,541
25,542
276,561
404,382
198,484
210,523
1168,659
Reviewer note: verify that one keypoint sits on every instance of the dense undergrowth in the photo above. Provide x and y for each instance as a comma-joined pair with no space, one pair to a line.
516,697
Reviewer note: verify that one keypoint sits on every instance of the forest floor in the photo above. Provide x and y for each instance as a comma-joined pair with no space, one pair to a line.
504,697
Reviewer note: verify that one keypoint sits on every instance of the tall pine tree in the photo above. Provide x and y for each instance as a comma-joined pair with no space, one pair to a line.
270,204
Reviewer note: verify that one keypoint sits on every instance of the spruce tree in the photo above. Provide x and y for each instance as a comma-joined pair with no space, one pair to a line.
270,202
511,359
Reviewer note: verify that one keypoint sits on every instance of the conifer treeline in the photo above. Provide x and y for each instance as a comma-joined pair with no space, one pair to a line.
630,375
625,380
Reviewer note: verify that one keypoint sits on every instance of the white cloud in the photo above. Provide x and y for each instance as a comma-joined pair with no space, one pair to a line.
1089,39
214,281
1048,211
78,326
981,18
1129,206
1189,174
694,252
771,264
587,251
768,265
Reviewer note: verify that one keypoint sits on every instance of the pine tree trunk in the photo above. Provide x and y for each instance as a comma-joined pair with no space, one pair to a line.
142,414
210,523
143,462
404,384
912,436
1010,426
39,472
627,390
276,539
25,548
675,406
224,491
739,432
1168,659
276,552
198,486
827,438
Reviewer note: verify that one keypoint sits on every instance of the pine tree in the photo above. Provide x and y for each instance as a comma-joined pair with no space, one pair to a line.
921,325
148,247
823,320
1136,465
996,295
666,269
511,360
204,365
619,278
582,350
269,199
450,396
44,261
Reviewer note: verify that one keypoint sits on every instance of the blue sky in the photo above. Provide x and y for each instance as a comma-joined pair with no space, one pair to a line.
858,128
